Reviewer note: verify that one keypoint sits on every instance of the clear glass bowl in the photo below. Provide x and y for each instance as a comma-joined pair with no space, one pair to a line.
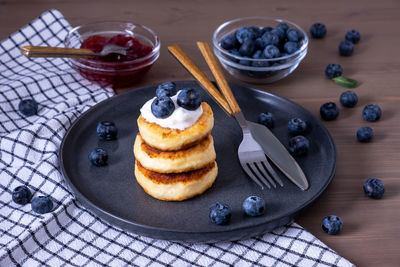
115,74
278,67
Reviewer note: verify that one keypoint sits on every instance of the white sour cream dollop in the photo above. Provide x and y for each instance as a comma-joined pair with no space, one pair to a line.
180,119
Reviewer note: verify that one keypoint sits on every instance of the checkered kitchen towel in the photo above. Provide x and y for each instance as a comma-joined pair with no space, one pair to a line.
72,235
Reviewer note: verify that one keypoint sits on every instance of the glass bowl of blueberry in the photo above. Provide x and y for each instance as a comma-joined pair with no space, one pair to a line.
141,45
260,49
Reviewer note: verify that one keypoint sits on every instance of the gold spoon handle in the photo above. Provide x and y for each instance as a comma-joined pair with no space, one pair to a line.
199,75
47,51
219,77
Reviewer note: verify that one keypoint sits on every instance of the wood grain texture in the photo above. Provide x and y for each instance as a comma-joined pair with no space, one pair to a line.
371,233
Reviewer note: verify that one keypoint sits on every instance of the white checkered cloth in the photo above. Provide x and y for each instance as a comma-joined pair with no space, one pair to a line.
71,235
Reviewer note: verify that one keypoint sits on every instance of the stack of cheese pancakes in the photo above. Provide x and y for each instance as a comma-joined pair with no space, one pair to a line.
174,149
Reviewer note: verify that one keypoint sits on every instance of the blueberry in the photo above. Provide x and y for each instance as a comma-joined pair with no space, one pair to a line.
271,51
297,126
267,119
42,204
28,107
270,38
254,206
333,70
256,30
166,89
266,29
371,112
245,62
106,130
348,99
283,26
247,48
291,47
229,42
162,107
21,195
332,224
353,36
243,34
234,52
189,99
220,213
329,111
293,35
299,145
98,157
374,188
346,48
259,55
280,32
318,30
365,134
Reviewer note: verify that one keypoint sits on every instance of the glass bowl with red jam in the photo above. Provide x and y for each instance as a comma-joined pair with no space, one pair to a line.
115,70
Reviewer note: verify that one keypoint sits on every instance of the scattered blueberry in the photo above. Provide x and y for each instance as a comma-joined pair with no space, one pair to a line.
247,48
293,35
254,206
243,34
28,107
353,36
329,111
106,130
220,213
21,195
166,89
267,119
374,188
189,99
318,30
332,224
162,107
271,51
297,126
371,112
291,47
42,204
299,145
333,70
346,48
348,99
98,157
365,134
229,42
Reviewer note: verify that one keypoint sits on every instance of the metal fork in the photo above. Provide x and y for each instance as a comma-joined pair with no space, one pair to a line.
250,153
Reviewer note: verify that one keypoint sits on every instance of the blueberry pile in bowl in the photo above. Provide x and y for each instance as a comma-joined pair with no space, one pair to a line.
143,49
260,49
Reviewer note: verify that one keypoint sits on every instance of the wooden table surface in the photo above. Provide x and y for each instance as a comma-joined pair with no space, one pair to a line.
371,233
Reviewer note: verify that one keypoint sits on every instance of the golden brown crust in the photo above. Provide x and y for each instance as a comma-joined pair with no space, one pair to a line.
168,178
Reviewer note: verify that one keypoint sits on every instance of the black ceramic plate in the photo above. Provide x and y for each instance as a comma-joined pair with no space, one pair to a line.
114,195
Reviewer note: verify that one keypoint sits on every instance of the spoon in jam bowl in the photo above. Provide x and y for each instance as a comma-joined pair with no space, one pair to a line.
48,51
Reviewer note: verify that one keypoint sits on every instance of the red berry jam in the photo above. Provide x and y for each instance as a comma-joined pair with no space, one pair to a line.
114,69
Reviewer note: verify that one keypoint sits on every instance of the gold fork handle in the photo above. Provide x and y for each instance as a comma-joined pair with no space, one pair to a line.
184,59
47,51
219,77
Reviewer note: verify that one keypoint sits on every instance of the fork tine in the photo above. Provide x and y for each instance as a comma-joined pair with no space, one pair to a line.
265,174
251,175
260,177
271,171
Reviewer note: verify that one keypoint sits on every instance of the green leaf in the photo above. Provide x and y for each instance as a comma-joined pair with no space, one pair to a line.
345,82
